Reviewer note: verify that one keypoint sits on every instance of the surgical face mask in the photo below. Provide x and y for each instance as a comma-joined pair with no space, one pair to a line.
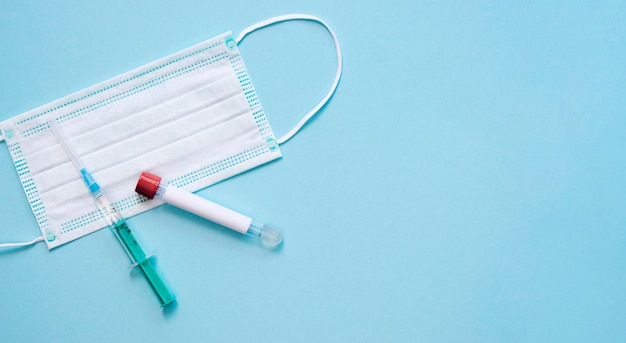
193,117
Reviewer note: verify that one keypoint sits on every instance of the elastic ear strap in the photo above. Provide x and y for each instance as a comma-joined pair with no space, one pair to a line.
317,107
13,245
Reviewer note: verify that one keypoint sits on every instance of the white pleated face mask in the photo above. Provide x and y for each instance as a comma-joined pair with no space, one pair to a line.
192,117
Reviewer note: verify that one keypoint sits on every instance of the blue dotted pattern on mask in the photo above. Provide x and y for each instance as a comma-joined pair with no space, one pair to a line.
120,83
219,166
81,221
250,94
120,96
94,216
130,201
29,186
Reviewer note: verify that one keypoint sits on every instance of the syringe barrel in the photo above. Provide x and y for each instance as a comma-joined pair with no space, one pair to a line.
107,209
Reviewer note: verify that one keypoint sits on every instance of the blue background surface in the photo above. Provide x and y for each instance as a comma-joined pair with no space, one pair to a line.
465,183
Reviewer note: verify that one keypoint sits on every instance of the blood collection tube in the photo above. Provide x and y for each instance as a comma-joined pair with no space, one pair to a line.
151,186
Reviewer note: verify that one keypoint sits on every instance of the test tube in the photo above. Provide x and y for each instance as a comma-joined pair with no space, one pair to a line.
150,185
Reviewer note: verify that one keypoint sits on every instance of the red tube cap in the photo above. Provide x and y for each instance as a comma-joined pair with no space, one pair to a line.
148,184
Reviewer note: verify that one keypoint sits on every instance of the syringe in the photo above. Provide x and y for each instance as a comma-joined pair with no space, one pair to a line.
115,221
151,186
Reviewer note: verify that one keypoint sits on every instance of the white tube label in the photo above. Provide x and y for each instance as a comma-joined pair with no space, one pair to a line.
207,209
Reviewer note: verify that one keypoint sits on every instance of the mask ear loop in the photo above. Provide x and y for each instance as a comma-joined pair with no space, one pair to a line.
330,93
15,245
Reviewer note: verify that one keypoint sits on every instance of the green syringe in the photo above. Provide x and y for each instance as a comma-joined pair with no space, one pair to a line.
115,221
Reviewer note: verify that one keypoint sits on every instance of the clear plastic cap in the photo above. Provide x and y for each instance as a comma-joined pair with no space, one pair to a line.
269,236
